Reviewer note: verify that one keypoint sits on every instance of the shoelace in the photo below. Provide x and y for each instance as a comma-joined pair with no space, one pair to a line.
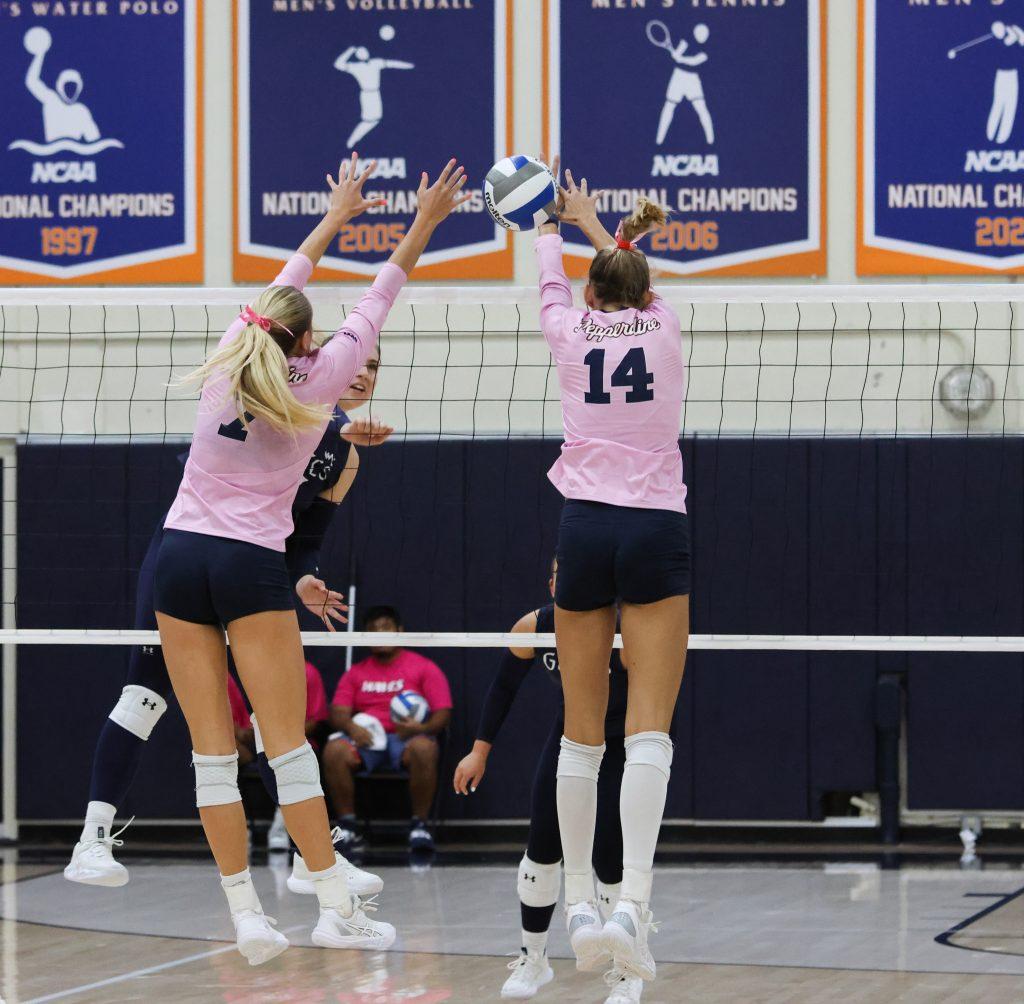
112,840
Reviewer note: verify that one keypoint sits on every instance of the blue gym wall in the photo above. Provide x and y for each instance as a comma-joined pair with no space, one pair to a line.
801,536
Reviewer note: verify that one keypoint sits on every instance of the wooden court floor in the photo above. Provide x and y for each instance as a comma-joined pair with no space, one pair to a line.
730,934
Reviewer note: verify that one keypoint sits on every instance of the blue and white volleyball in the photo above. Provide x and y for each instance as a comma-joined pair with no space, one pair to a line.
520,193
409,706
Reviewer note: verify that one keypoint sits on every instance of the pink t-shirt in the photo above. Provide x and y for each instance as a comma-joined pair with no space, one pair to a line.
316,699
369,685
622,377
239,712
240,484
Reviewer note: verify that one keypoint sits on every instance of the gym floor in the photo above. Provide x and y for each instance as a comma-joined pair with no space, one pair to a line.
850,932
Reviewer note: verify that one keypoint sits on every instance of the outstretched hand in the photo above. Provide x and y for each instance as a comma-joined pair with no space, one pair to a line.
437,201
576,202
328,605
347,200
366,431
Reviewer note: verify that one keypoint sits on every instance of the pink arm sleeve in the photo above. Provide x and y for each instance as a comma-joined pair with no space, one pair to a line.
555,291
296,272
435,687
342,356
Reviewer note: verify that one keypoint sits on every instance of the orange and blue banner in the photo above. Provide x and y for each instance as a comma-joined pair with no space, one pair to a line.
100,149
716,111
941,138
407,85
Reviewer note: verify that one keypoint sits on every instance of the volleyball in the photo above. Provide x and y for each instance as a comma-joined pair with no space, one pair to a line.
409,705
372,725
37,40
520,193
387,32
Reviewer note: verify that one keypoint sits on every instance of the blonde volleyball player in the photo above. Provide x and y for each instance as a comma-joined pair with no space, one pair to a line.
540,871
265,402
623,541
329,475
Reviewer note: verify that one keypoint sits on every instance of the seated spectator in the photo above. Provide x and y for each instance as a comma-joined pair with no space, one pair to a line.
368,688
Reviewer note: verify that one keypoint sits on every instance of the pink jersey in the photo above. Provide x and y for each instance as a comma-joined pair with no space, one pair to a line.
240,483
621,377
316,695
369,685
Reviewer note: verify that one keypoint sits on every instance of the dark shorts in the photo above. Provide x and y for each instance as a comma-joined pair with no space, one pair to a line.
608,553
214,580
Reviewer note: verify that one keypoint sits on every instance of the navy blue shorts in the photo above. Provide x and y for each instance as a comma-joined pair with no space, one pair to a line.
608,553
215,580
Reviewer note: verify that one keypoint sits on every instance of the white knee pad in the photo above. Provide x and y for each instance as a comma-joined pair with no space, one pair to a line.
298,775
653,749
216,779
577,760
539,885
256,736
138,710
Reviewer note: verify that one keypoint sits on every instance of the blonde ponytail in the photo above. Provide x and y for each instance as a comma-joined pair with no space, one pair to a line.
255,363
646,216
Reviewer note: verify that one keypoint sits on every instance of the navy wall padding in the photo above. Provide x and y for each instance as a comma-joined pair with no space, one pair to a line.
790,536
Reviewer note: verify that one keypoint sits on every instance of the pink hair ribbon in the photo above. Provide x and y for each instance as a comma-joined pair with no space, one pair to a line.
251,317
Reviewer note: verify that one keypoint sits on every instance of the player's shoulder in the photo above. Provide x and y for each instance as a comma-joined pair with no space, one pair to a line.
546,619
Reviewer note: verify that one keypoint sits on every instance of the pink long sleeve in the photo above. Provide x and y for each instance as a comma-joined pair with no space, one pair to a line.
555,291
296,272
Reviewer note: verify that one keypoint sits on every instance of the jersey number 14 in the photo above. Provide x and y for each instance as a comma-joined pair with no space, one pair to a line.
632,372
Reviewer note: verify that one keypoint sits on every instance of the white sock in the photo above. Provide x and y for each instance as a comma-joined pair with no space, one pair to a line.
240,892
332,890
641,806
535,944
99,820
578,768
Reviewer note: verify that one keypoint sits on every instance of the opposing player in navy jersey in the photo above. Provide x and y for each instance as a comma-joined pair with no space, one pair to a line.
329,477
540,871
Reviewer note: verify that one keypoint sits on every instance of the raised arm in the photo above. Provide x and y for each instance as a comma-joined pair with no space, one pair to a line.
434,203
397,64
346,202
341,63
34,78
514,667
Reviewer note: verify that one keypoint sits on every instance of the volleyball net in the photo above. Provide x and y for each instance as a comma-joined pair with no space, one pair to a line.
854,458
799,400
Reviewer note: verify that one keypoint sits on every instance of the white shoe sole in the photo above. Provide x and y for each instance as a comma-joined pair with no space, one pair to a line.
305,887
525,995
87,877
589,947
259,950
622,948
327,937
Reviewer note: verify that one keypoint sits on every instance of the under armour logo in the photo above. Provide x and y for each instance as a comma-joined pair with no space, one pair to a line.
147,703
147,649
529,878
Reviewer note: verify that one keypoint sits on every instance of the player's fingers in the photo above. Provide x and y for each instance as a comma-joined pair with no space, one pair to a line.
465,197
583,187
456,179
370,168
457,183
332,183
446,171
570,180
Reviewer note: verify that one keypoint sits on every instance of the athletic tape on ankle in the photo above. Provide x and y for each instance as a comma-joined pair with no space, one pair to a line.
653,749
240,892
298,775
216,779
138,710
539,885
331,888
577,760
256,736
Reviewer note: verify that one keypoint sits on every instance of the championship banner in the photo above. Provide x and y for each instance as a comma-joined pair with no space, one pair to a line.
713,110
408,83
100,157
941,138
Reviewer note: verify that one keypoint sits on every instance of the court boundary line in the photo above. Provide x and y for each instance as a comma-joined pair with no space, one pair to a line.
950,932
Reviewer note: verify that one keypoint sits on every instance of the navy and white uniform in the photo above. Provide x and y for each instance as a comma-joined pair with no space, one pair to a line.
544,845
146,666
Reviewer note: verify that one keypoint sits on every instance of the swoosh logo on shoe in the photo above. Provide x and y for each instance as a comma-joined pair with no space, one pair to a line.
625,921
